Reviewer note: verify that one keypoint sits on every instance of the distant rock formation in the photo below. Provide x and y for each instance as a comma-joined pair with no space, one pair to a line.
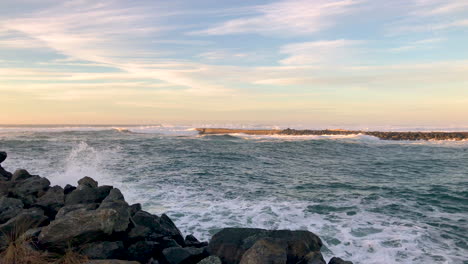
381,135
97,226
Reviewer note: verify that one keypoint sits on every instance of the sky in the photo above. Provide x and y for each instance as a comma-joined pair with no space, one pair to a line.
327,62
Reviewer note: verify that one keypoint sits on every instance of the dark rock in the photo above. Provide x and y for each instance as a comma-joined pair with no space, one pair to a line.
266,251
110,261
85,194
312,258
5,175
3,156
103,250
135,208
21,174
142,251
28,190
116,201
26,219
191,241
9,208
152,227
88,182
336,260
79,227
188,255
52,201
68,189
70,208
210,260
231,243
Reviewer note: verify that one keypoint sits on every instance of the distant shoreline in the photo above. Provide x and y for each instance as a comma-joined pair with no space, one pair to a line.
384,135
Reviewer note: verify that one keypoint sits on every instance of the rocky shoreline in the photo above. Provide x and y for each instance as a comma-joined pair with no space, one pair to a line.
379,134
93,224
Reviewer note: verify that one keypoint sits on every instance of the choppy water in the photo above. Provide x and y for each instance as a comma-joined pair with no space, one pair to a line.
371,201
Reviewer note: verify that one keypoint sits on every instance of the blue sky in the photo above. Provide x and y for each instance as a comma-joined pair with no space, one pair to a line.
327,62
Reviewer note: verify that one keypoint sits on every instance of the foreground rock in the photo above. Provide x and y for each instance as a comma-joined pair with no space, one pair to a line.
97,223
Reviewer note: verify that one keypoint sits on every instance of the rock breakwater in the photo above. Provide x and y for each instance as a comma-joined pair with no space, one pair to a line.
384,135
88,223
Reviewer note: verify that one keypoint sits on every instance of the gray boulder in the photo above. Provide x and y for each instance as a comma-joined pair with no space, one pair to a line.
29,189
230,244
266,251
336,260
210,260
116,201
85,194
25,220
3,156
70,208
314,257
52,200
188,255
143,251
88,182
103,250
21,174
9,208
79,227
153,228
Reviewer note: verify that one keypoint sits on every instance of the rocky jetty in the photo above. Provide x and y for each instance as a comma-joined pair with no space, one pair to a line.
379,134
94,224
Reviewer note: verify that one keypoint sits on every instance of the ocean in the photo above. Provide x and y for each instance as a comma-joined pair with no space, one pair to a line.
371,201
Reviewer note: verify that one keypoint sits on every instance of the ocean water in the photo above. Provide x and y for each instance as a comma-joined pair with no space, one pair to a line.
371,201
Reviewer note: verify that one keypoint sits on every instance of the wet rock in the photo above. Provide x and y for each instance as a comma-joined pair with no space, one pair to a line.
70,208
25,220
134,208
68,189
336,260
313,258
143,251
231,243
5,175
266,251
191,241
188,255
116,201
29,189
111,261
20,175
104,250
3,156
79,227
9,208
52,201
152,227
85,195
210,260
88,182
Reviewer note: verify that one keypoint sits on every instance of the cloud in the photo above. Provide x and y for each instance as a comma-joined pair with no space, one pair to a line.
418,44
440,7
315,52
286,17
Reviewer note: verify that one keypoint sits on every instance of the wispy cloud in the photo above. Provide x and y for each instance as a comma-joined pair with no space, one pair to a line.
418,44
324,52
286,17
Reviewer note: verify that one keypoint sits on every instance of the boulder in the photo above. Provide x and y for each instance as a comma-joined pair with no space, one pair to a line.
3,156
143,251
68,189
79,227
9,208
134,208
110,261
5,175
21,174
153,228
52,201
266,251
25,220
85,194
314,257
88,182
230,244
191,241
29,189
103,250
336,260
70,208
210,260
116,201
188,255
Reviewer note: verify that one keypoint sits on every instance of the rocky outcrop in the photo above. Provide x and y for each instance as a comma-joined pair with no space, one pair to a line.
379,134
98,224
